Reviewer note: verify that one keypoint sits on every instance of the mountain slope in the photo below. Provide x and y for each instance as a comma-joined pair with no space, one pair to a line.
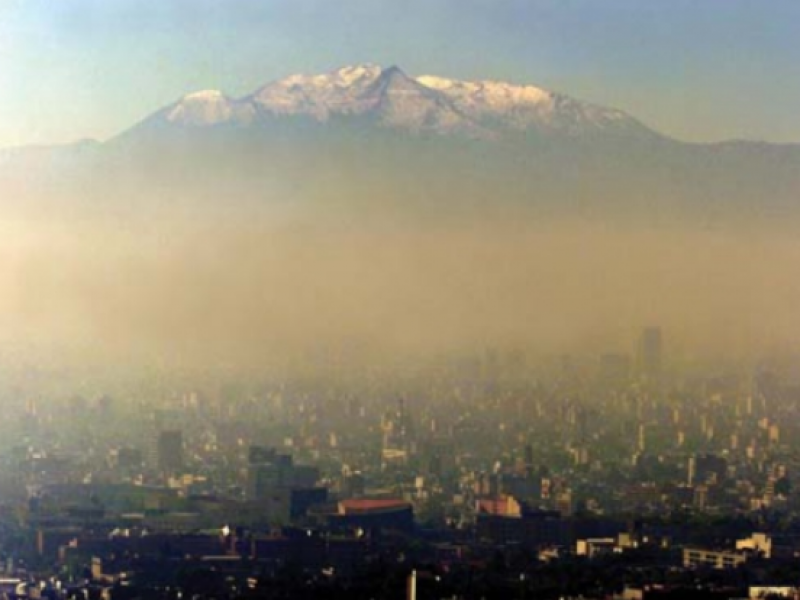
390,99
526,107
374,137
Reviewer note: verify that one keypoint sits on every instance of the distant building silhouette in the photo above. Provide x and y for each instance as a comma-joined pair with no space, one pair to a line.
650,353
170,451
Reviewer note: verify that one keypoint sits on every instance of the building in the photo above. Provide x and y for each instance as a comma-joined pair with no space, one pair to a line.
270,472
170,451
717,559
759,543
505,521
649,354
373,514
594,547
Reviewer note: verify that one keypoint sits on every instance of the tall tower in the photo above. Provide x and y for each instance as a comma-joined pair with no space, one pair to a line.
649,353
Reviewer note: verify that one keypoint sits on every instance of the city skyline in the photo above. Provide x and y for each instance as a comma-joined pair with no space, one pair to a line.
346,299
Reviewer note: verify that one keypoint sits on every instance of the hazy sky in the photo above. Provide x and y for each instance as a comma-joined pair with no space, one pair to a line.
697,70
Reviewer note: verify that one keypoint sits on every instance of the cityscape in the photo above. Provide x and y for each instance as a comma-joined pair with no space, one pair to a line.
602,476
383,300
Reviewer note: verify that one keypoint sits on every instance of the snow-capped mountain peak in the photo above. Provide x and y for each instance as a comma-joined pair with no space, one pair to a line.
204,96
346,77
388,98
318,96
358,73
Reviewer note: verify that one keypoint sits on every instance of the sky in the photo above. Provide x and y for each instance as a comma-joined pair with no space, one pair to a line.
698,70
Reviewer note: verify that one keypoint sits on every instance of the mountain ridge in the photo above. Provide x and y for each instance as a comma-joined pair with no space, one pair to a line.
487,109
375,138
484,109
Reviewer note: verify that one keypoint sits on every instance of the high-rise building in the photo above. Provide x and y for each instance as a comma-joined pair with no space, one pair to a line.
649,353
170,451
270,472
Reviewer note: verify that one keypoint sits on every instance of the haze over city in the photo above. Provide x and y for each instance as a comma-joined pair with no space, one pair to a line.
368,208
365,299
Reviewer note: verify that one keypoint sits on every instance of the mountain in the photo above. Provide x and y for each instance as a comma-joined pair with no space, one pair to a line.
496,104
376,137
390,99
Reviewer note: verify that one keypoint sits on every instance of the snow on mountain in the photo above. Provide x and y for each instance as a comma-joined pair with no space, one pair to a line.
320,96
404,103
391,99
524,107
209,107
388,95
488,95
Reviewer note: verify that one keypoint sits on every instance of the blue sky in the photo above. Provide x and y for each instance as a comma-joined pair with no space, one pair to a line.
698,70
